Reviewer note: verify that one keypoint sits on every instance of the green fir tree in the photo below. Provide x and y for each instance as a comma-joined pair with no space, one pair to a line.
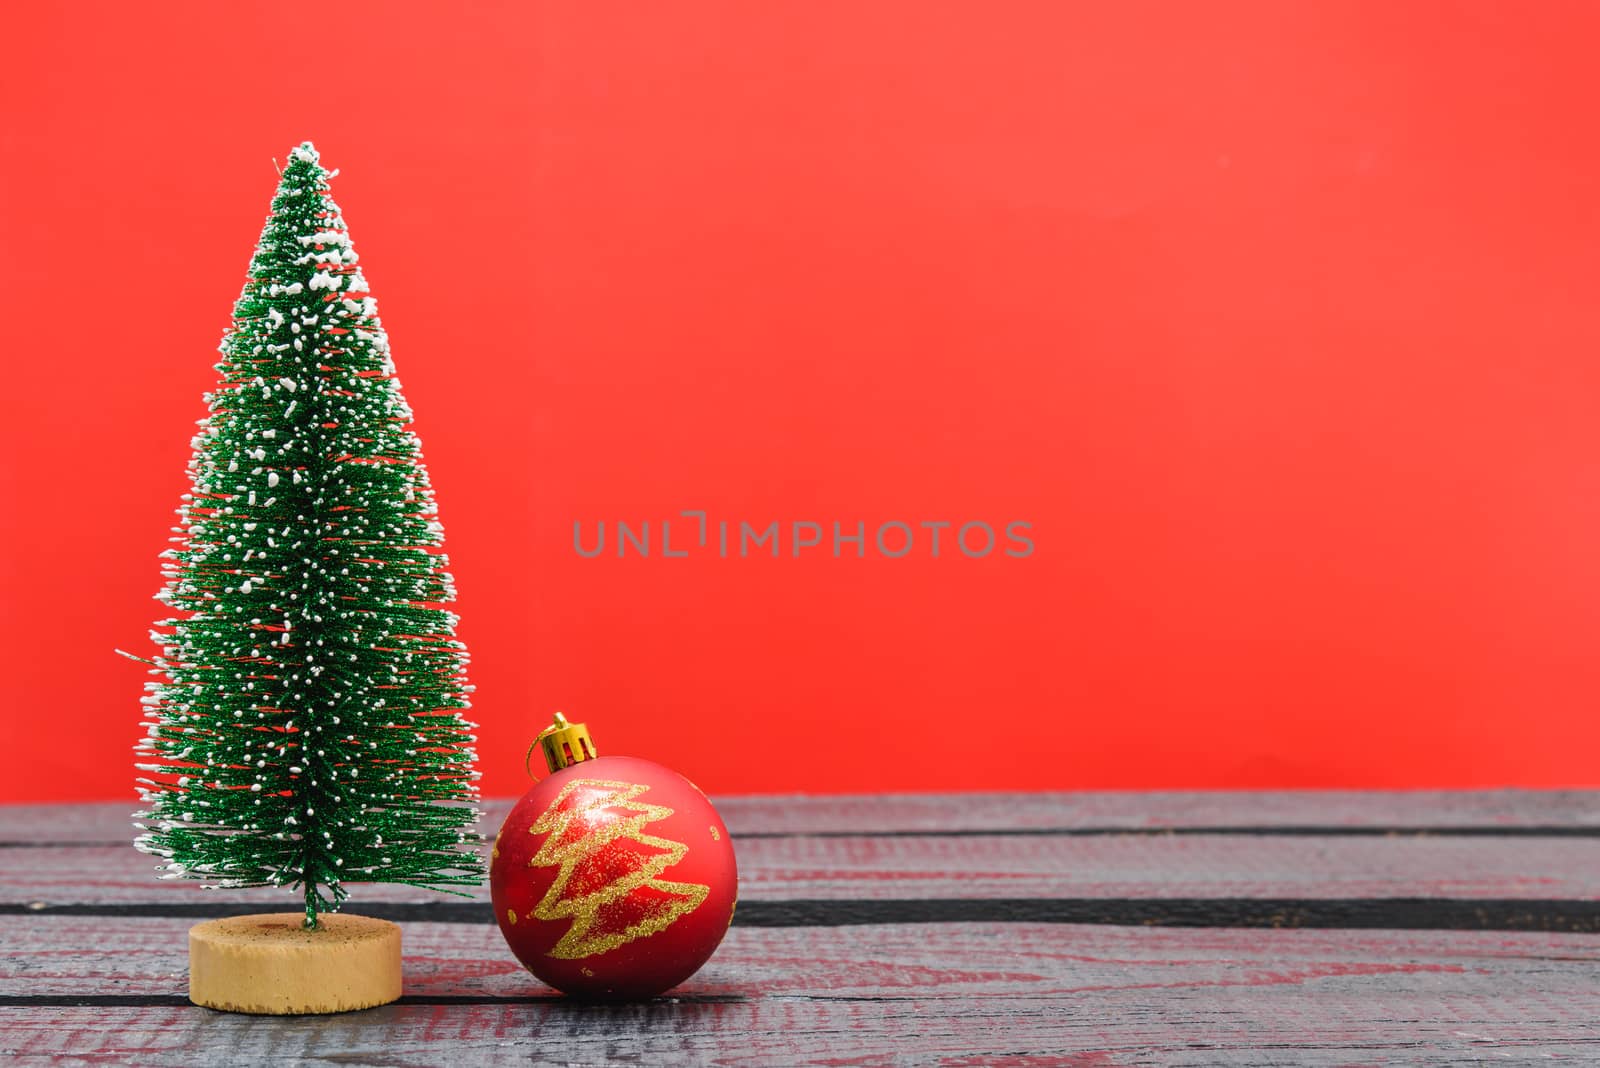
306,729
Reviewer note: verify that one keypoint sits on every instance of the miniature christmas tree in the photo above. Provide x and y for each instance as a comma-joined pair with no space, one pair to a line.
306,730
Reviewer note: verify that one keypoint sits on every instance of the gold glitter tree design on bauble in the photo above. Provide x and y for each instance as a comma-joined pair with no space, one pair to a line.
606,910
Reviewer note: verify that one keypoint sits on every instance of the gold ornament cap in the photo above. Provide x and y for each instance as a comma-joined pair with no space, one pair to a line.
564,744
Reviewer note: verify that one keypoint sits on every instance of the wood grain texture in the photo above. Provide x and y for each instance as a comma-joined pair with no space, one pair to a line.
966,994
90,979
1351,810
866,868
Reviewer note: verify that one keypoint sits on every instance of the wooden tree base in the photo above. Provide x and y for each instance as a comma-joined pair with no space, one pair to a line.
270,964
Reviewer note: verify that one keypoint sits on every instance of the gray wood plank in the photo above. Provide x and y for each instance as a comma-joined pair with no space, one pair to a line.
1158,809
86,956
846,814
1135,866
960,994
950,993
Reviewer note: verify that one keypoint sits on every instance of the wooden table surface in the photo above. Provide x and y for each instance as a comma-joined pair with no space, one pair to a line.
1027,929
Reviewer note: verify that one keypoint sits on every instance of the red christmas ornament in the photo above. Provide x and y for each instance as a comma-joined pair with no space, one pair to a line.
614,877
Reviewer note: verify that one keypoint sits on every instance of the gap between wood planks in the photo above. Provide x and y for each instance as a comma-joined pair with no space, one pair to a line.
151,1001
1378,913
1283,831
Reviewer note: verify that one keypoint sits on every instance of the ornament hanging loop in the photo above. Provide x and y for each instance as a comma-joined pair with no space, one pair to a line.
564,745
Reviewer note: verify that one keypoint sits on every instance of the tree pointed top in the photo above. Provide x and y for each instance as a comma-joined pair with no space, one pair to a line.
306,151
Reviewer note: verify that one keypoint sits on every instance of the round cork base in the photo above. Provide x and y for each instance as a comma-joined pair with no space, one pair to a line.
270,964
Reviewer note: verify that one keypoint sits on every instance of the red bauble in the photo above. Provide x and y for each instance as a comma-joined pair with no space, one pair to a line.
613,878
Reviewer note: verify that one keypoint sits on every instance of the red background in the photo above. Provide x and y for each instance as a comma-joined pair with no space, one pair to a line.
1276,320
